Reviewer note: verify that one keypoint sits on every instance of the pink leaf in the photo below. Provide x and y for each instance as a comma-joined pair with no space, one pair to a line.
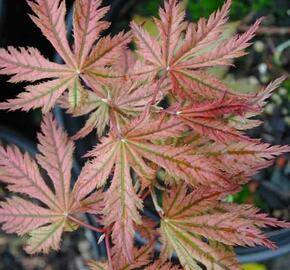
87,26
28,65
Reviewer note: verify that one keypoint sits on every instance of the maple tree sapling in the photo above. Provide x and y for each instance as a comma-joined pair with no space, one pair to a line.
162,122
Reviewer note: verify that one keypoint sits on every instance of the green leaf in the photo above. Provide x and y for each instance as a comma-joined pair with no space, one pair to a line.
254,266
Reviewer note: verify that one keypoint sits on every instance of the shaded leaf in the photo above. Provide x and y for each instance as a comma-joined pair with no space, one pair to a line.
194,215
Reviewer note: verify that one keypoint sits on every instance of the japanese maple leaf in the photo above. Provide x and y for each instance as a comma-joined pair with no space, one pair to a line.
141,256
119,153
45,222
184,57
242,158
210,118
85,59
114,103
158,265
137,146
133,149
218,119
245,156
246,121
190,216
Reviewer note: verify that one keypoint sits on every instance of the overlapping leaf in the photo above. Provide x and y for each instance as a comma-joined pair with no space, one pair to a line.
210,118
86,58
44,222
140,257
137,140
219,119
118,154
247,157
183,59
114,103
243,122
191,216
196,141
135,149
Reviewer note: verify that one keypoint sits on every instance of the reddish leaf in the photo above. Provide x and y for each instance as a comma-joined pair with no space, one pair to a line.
87,58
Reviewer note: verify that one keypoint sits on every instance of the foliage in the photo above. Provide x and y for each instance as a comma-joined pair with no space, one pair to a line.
204,8
46,223
239,8
163,122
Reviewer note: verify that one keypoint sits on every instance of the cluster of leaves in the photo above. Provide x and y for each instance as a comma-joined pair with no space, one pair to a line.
192,148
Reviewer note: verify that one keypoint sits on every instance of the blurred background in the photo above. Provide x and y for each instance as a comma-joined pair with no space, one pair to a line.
268,58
